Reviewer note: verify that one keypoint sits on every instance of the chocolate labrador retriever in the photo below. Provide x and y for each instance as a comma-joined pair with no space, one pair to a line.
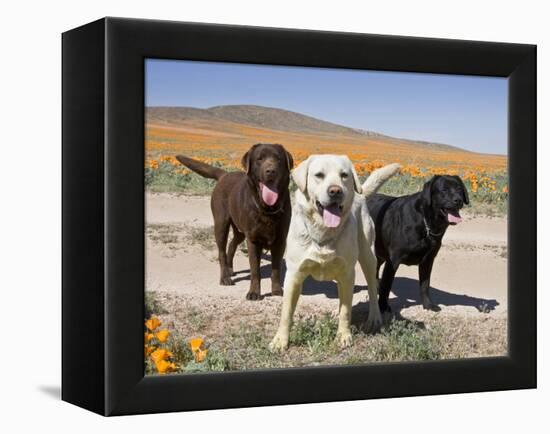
256,204
409,230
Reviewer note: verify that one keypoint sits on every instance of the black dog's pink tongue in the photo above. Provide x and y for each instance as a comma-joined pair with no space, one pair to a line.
453,218
269,196
332,216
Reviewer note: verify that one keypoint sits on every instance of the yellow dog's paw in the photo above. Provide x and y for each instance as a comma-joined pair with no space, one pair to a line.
344,339
279,343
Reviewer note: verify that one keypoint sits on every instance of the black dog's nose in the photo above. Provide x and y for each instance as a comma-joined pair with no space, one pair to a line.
334,191
457,201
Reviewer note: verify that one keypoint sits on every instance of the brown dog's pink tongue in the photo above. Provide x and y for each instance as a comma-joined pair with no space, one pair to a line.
269,196
331,216
453,219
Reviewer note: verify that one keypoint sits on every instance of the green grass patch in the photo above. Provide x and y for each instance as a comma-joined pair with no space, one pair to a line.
153,304
483,201
168,178
314,333
406,341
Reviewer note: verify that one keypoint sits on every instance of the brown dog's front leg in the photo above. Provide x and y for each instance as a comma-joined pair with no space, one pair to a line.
277,252
254,254
221,231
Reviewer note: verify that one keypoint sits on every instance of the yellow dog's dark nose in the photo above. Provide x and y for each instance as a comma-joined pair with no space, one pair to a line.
334,191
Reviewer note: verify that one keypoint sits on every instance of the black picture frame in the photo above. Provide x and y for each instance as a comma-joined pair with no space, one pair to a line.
103,215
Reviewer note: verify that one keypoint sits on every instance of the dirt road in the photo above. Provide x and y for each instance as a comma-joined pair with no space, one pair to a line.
470,272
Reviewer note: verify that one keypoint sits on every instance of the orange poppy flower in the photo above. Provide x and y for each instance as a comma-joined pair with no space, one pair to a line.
196,344
162,335
163,366
200,355
160,354
152,323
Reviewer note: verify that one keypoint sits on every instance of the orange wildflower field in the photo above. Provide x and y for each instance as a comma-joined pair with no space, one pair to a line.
223,144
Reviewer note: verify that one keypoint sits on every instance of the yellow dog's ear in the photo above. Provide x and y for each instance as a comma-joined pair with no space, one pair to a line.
356,183
299,175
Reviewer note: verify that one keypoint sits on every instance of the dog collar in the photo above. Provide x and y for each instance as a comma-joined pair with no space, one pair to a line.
277,211
429,232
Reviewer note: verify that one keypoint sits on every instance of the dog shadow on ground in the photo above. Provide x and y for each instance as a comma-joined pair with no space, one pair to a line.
405,290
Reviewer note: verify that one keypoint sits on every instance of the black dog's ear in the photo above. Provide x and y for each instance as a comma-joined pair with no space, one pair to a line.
427,191
245,161
465,196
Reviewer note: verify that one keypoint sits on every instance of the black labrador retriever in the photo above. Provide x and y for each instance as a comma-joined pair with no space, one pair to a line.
409,230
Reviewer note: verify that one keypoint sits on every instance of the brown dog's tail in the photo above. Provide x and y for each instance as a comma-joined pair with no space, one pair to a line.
201,168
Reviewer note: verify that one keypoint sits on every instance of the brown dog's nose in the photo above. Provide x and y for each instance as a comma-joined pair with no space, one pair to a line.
270,171
334,191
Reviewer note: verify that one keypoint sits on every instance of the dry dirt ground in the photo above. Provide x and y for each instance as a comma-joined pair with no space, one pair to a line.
469,282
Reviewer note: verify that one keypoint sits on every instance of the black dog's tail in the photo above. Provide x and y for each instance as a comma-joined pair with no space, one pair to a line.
201,168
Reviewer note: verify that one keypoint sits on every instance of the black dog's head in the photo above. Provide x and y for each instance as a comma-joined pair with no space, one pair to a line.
268,168
445,195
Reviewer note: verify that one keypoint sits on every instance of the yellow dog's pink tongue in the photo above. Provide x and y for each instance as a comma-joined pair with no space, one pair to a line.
269,196
453,219
331,216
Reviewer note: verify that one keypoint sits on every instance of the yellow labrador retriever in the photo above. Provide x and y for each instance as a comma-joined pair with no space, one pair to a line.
329,231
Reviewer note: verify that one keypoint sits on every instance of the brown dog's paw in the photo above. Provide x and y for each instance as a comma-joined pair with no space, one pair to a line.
226,281
253,296
277,292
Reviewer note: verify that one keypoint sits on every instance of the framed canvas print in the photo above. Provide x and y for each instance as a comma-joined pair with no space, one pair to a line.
258,216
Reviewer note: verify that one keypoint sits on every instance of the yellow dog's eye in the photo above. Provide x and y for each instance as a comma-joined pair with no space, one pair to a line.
344,175
319,175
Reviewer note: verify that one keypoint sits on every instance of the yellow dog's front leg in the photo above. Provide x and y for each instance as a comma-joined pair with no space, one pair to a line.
292,289
345,294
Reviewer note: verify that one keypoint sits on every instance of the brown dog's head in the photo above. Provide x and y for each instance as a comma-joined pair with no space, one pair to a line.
268,168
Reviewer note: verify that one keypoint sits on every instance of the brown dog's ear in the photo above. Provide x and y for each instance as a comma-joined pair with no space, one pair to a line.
289,160
465,196
245,161
288,157
427,191
299,175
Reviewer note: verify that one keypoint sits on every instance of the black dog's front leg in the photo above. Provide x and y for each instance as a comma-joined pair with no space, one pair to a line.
424,273
384,286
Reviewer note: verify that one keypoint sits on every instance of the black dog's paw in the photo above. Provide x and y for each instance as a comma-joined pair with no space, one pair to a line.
387,316
253,296
226,281
384,308
431,306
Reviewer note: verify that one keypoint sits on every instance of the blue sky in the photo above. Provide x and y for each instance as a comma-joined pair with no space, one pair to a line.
465,111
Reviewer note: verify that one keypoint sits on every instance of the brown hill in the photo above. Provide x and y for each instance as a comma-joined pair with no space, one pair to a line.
268,118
